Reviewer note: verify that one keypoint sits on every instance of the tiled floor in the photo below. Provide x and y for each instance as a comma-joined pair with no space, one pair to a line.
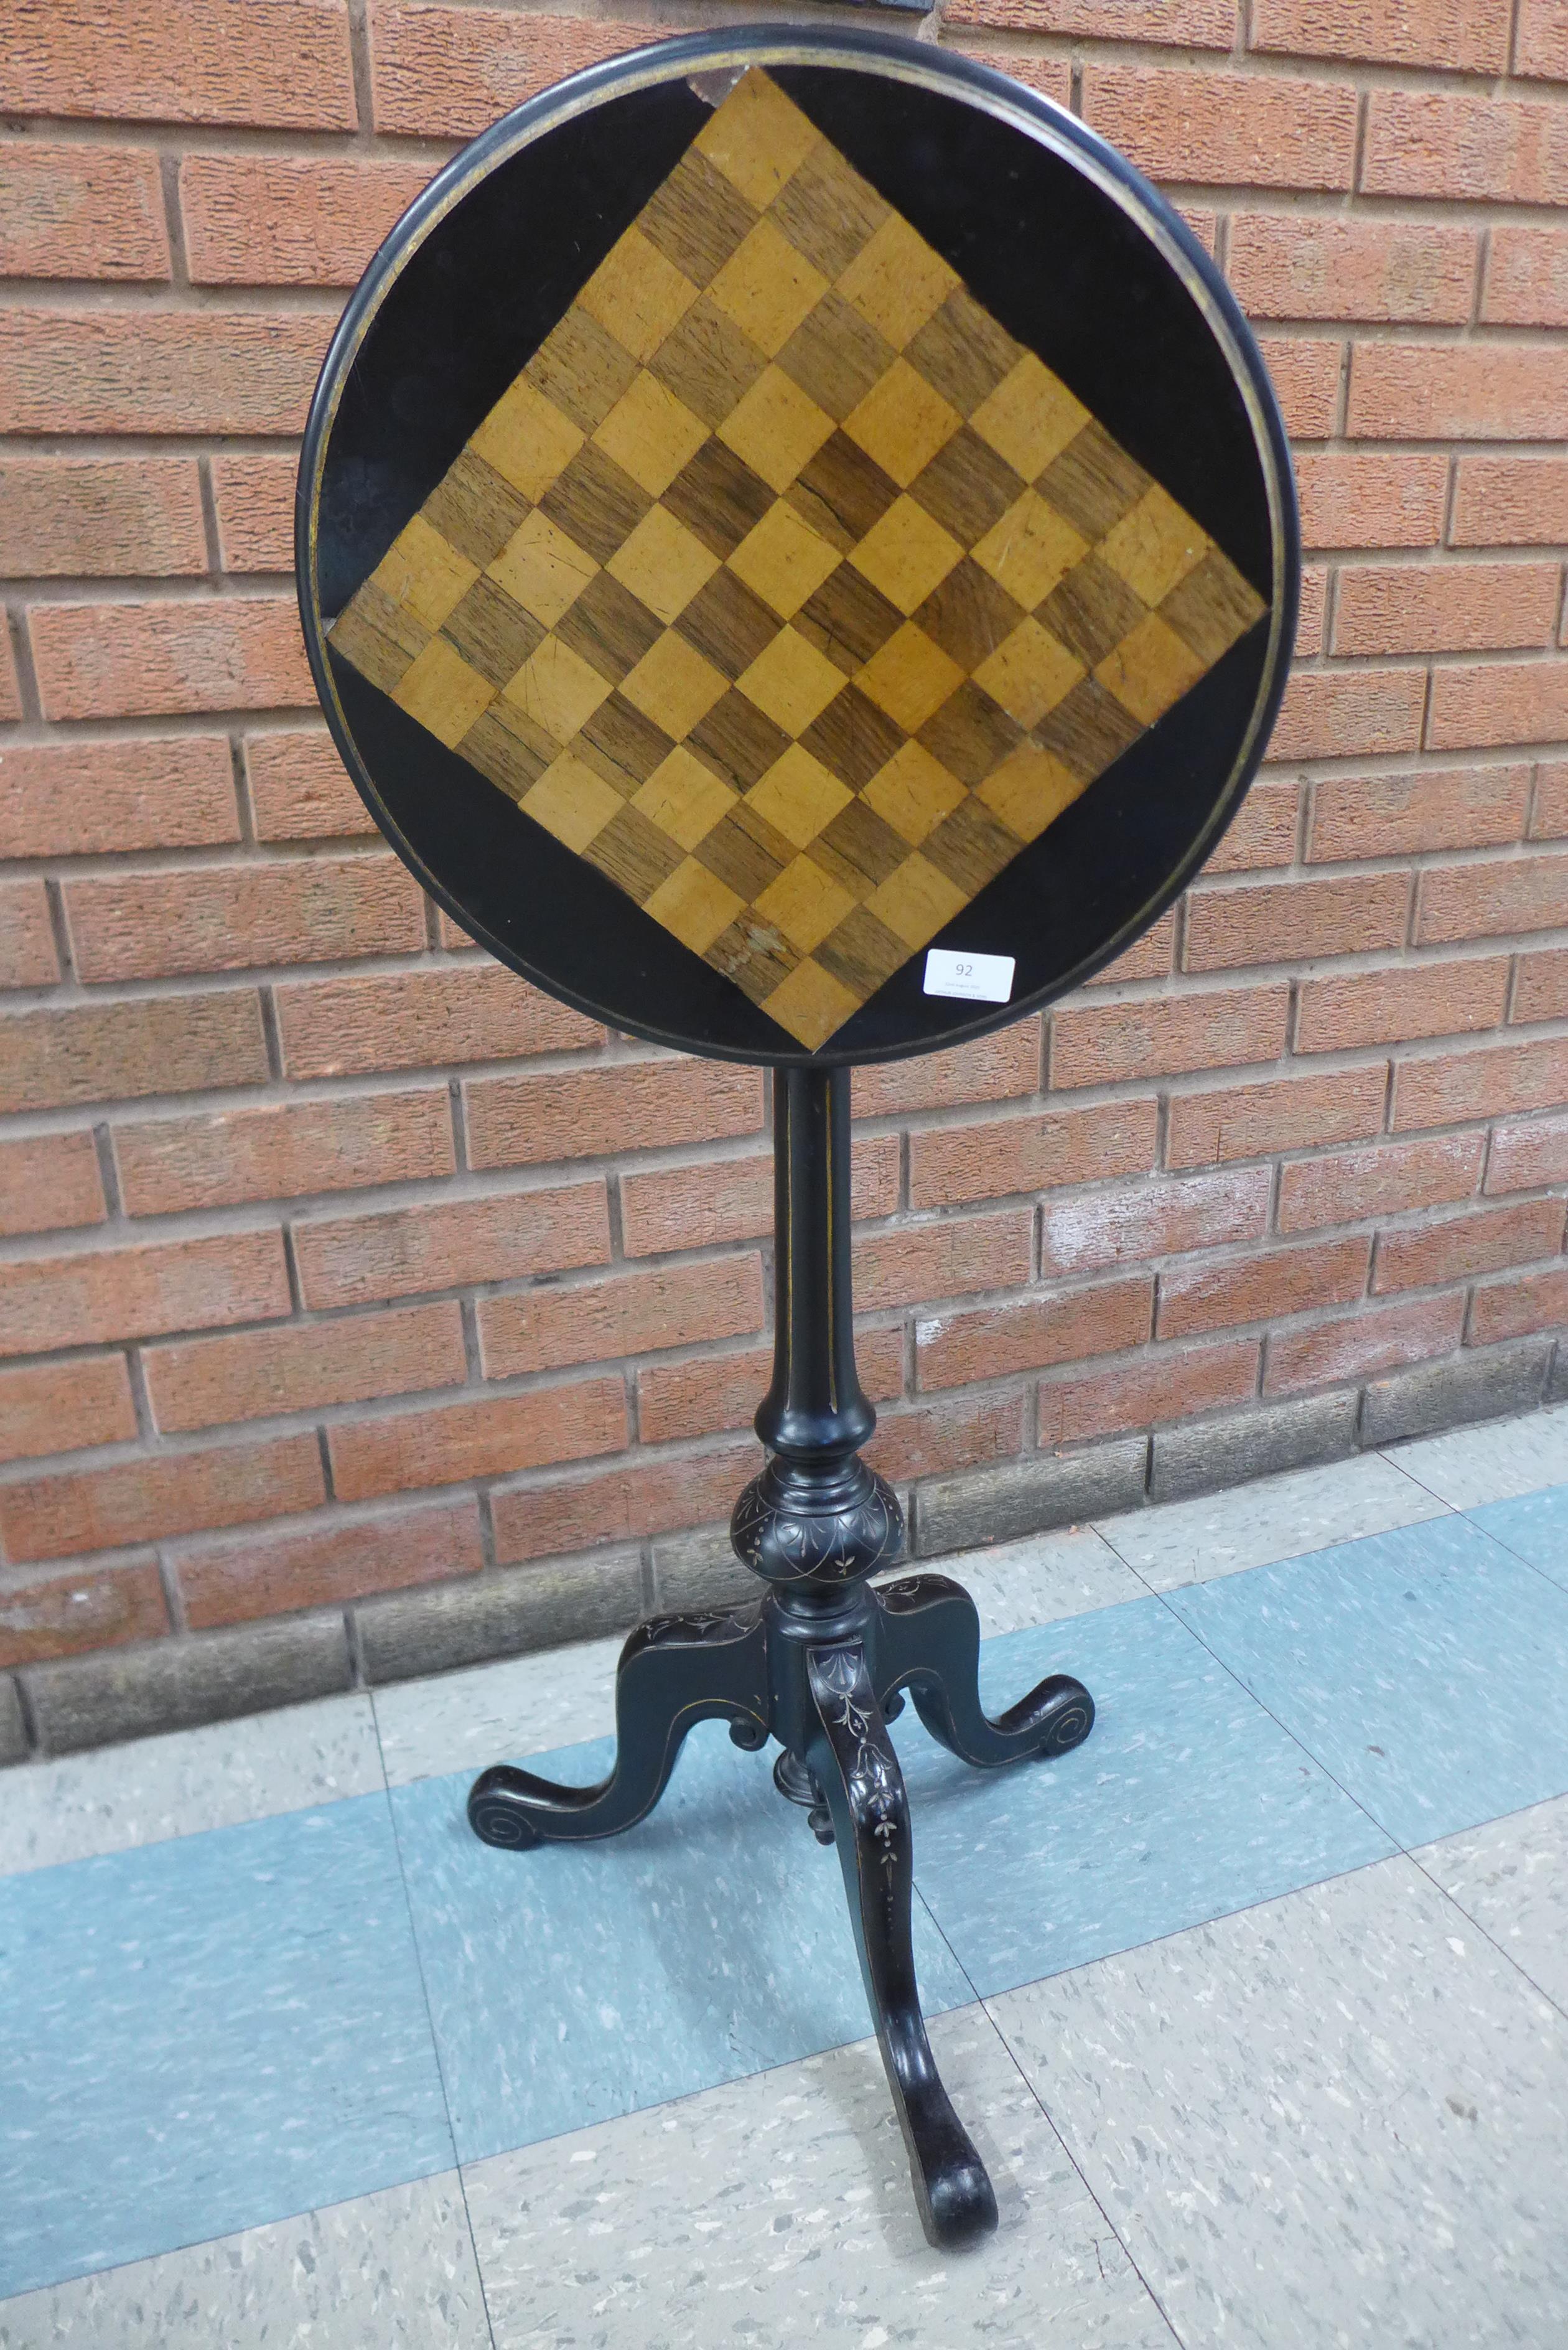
1257,2005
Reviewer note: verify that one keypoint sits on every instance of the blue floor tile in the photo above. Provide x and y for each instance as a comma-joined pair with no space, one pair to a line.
1186,1802
1425,1669
1534,1527
571,1985
206,2034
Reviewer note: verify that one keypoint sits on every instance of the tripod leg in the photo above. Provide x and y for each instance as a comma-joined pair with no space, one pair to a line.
855,1764
928,1636
675,1671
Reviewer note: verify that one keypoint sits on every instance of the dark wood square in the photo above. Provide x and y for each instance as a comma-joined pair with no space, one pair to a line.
595,503
745,853
836,356
622,745
862,952
1093,482
970,847
494,635
635,853
582,369
755,955
852,738
506,749
827,213
842,492
707,361
738,741
475,508
968,614
967,486
728,624
971,734
718,497
698,218
962,351
848,619
1092,610
1087,729
860,837
609,627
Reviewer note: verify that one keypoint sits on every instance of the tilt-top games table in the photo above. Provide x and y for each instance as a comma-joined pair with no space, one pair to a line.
797,552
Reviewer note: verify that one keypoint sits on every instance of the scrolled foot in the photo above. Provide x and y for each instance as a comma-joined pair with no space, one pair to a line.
852,1759
675,1671
929,1639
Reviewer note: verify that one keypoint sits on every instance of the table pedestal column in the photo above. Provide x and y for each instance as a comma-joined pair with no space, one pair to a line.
821,1662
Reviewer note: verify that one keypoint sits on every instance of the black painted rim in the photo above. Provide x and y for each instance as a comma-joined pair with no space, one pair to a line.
945,73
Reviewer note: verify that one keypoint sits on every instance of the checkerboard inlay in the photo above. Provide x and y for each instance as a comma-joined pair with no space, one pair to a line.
783,587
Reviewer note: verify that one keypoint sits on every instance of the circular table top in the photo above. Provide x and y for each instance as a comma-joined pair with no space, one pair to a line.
797,547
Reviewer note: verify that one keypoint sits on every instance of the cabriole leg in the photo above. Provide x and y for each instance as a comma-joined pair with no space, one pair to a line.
674,1672
929,1639
855,1765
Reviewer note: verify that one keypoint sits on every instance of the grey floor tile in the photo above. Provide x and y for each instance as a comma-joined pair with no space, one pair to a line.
387,2271
1277,1517
214,1777
1512,1878
1491,1463
777,2211
495,1713
1038,1580
1333,2123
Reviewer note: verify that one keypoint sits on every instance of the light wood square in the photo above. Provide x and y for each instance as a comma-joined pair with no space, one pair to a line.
804,903
790,682
757,139
527,440
543,569
896,282
650,433
636,296
811,1003
570,801
1154,545
684,798
423,575
662,563
1030,549
776,428
556,689
674,686
915,901
783,559
906,554
1028,672
695,905
910,677
798,796
913,792
1030,417
1030,790
443,692
1151,670
767,287
902,422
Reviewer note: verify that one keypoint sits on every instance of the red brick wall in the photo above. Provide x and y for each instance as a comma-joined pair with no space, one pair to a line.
342,1263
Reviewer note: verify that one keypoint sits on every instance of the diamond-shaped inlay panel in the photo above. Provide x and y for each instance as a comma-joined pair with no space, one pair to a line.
783,587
